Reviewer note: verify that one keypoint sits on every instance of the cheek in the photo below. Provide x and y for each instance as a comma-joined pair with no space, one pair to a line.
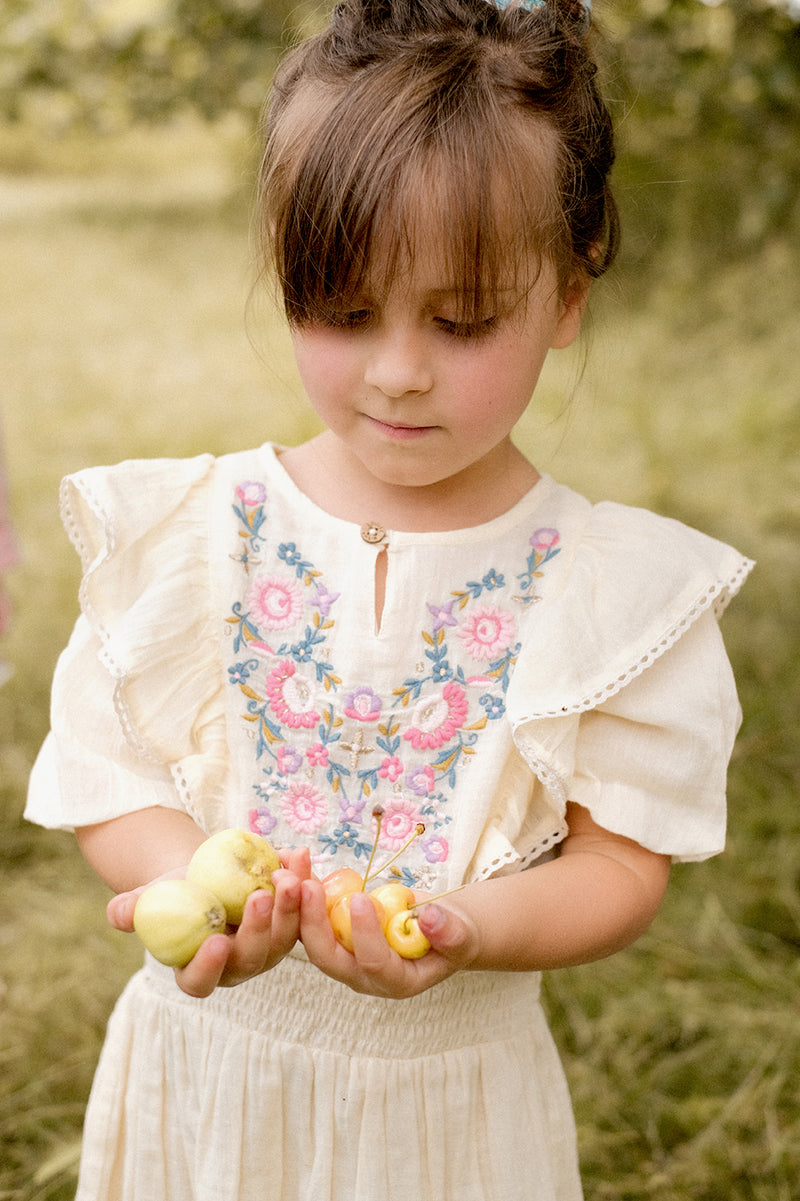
323,365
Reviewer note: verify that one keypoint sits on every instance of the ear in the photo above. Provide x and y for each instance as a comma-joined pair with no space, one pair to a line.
573,306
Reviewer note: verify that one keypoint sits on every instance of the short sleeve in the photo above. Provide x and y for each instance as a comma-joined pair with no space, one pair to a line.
624,700
137,702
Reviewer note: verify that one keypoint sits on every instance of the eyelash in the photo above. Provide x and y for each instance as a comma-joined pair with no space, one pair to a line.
358,319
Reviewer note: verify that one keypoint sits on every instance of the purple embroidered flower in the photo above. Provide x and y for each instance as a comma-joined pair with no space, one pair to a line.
289,760
437,717
275,601
421,780
436,848
251,493
261,821
362,704
317,755
442,615
291,696
304,807
400,816
487,631
544,539
324,599
391,768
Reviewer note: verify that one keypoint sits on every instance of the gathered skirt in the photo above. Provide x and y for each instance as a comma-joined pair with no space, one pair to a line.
293,1088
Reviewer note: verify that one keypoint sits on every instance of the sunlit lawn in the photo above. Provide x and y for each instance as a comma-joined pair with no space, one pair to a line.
126,331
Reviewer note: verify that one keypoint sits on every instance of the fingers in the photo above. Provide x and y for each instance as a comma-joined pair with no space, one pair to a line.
450,933
372,967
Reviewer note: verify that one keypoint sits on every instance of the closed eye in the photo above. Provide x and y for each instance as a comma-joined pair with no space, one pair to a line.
466,329
348,319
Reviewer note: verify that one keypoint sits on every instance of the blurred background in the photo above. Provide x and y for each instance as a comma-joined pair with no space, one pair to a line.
129,327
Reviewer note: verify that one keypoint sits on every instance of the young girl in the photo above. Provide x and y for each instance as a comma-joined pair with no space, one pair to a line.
401,611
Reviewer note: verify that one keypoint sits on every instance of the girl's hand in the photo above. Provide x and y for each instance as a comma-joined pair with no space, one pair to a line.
269,929
373,967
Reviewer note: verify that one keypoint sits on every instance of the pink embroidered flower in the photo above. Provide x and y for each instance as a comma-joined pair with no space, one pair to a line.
487,631
317,755
291,696
304,807
390,769
251,494
261,821
400,816
289,760
544,539
421,780
437,717
362,704
436,848
276,601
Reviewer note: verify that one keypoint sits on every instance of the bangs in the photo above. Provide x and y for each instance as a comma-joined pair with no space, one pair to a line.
466,185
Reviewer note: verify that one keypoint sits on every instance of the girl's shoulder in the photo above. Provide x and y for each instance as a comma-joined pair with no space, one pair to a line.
106,508
631,583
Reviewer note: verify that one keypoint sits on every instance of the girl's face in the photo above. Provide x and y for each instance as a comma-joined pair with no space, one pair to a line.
416,396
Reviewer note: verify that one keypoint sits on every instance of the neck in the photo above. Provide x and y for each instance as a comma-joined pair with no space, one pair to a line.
335,480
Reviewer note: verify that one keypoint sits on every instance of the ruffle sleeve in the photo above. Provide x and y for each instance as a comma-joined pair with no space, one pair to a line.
137,696
623,698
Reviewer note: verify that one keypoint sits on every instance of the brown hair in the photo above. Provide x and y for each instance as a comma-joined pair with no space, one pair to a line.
478,127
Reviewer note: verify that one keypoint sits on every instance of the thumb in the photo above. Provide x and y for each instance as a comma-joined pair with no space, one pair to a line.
449,933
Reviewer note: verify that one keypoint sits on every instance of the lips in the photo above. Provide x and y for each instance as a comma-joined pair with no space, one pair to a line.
401,431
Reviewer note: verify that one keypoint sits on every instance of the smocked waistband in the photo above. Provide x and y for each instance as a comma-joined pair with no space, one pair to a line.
296,1003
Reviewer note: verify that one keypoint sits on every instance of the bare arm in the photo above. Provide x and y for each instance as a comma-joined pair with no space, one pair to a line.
135,849
596,898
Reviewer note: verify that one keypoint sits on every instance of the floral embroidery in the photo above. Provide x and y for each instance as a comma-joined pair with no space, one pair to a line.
304,806
275,601
487,631
400,817
327,750
291,696
437,717
362,704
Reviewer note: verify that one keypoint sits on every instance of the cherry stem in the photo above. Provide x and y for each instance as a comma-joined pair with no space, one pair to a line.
377,813
418,829
438,897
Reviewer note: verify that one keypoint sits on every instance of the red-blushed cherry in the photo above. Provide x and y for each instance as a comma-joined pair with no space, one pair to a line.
342,922
395,897
341,883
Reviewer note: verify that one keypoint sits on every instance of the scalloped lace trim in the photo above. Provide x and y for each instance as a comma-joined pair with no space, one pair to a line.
716,597
91,567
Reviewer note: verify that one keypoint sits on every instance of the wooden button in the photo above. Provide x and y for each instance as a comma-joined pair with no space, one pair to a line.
373,533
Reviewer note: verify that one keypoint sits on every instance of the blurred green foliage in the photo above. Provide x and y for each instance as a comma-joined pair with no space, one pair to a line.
708,96
710,145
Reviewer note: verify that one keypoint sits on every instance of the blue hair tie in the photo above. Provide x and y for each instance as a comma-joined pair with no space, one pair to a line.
532,5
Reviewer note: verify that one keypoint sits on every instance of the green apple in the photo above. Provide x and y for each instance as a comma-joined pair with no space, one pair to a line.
234,863
174,917
404,936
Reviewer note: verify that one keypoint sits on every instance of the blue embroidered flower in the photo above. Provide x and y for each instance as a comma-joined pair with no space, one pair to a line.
241,671
289,553
493,579
494,706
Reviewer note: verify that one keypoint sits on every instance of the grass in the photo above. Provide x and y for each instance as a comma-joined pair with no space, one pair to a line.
124,281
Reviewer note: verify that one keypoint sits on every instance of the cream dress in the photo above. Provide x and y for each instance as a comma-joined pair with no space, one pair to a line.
228,663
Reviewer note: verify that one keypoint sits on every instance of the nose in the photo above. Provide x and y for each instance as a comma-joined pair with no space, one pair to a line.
398,363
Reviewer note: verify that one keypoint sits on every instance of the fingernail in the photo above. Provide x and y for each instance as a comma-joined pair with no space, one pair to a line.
435,917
